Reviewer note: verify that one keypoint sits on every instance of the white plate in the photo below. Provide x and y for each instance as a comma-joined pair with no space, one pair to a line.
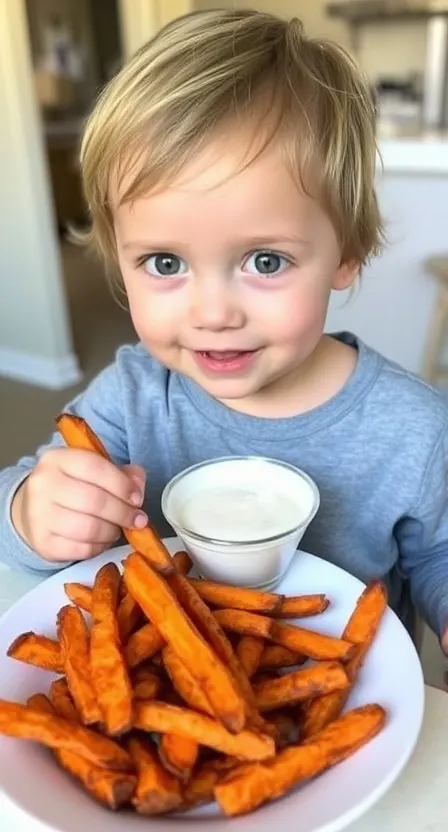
33,784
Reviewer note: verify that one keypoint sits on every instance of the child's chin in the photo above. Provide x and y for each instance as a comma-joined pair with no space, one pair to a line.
229,389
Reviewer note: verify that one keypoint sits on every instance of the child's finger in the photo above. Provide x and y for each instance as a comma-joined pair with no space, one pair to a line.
138,476
81,528
93,469
87,499
60,549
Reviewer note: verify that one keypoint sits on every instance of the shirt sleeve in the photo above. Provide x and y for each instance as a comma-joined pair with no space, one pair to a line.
102,406
423,541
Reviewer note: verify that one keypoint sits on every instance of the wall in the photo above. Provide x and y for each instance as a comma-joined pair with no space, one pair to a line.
140,19
35,340
391,310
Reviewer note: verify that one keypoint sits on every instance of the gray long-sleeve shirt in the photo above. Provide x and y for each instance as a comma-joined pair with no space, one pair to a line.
377,450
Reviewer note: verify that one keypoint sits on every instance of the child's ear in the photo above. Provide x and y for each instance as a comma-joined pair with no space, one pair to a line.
345,275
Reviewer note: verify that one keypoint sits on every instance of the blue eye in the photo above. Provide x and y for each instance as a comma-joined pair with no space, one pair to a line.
267,263
165,264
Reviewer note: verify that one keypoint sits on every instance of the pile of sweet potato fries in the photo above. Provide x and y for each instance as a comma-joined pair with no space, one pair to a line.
172,692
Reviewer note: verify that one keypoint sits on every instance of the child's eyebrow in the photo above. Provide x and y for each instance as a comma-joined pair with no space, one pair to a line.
269,239
160,245
262,240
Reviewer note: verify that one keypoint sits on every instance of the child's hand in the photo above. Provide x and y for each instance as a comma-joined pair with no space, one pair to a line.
73,504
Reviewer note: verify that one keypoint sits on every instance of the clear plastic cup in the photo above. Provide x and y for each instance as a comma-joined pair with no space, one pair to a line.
255,558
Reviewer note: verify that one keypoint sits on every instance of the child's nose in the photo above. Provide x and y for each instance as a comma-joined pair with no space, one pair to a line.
214,306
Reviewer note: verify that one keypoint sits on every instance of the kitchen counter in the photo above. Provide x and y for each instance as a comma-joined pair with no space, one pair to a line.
414,153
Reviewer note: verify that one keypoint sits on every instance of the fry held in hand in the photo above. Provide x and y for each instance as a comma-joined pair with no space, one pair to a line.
110,676
77,434
38,651
244,791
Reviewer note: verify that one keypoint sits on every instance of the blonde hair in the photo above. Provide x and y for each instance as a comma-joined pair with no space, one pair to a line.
207,69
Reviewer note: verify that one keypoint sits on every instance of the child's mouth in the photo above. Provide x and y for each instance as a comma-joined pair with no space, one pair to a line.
225,361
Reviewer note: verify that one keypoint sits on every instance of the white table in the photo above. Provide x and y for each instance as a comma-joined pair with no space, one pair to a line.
417,803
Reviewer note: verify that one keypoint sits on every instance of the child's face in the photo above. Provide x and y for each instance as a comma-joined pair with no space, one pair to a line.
228,273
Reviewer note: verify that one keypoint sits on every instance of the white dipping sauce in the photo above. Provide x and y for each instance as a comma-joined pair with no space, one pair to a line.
224,512
241,518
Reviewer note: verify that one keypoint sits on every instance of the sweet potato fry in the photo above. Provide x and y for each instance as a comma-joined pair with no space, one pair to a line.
157,790
182,562
38,651
245,623
160,605
249,651
129,616
311,644
361,629
301,606
77,434
108,669
245,790
276,657
237,597
178,755
105,592
163,718
212,632
80,595
113,788
55,732
74,639
300,685
62,701
185,683
286,726
199,789
146,683
365,620
142,645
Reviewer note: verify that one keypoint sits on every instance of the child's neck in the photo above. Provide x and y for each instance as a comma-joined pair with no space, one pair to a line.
323,375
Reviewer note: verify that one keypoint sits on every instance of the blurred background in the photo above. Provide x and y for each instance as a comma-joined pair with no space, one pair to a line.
59,321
